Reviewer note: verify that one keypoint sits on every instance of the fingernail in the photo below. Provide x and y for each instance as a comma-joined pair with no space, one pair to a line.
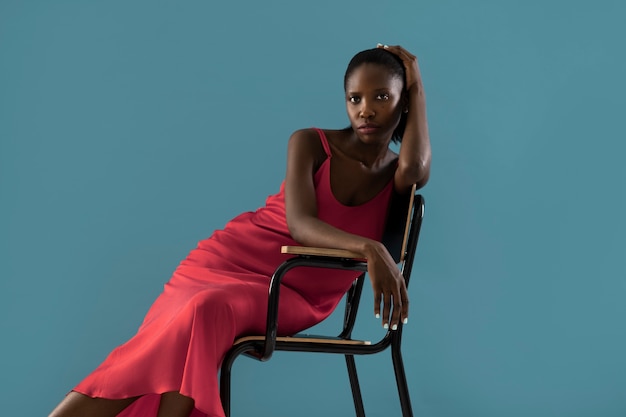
405,321
385,326
377,315
394,327
386,46
379,45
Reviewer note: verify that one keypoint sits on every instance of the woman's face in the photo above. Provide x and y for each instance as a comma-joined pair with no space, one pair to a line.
374,102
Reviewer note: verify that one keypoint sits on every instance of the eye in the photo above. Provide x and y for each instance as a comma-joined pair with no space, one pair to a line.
354,99
383,96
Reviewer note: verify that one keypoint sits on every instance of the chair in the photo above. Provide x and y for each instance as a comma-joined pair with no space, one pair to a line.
401,236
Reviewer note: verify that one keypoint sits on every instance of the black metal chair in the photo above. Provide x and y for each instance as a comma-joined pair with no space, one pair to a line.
401,236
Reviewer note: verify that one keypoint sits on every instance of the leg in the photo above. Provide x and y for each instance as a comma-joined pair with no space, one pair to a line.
174,404
78,405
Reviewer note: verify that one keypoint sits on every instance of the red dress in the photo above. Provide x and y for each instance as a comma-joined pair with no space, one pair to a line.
219,292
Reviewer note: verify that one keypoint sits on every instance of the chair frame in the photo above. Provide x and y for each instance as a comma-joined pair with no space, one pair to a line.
262,347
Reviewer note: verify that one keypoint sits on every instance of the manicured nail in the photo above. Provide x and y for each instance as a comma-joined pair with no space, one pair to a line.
379,45
394,327
386,46
405,321
385,326
377,315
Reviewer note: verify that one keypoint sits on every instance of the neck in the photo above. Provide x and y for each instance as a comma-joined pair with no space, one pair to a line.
368,154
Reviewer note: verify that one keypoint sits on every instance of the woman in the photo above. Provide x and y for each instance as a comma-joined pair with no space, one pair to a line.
336,193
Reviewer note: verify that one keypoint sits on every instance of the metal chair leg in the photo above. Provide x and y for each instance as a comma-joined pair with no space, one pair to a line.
403,389
225,376
354,384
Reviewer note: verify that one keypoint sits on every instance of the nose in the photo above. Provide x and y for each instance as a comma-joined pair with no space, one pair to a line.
366,111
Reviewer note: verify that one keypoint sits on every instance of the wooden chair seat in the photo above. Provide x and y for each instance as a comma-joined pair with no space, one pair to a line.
309,250
305,338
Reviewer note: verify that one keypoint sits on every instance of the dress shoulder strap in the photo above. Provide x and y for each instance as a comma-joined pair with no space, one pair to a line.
324,141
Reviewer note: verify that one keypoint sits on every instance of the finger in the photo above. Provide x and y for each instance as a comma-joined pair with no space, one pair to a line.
386,309
400,51
390,48
405,305
397,308
377,300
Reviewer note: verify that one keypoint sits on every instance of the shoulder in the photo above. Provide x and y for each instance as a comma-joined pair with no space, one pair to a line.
307,135
308,140
305,146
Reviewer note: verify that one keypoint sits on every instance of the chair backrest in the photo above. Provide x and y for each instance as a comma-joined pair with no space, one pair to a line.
398,226
415,217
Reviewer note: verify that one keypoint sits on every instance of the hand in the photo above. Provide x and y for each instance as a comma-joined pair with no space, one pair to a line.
413,76
388,286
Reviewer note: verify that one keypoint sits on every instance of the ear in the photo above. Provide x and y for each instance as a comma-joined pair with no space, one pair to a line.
405,102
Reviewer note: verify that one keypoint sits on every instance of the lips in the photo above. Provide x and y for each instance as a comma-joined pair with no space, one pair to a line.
368,128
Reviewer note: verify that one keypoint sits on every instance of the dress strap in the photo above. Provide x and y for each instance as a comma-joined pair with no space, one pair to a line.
324,141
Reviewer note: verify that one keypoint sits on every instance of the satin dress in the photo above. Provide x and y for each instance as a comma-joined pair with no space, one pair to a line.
219,293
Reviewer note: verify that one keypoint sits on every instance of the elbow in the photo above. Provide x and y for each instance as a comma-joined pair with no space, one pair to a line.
293,229
296,230
421,181
417,172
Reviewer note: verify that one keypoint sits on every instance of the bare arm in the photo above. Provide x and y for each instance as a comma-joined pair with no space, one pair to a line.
415,152
306,228
301,205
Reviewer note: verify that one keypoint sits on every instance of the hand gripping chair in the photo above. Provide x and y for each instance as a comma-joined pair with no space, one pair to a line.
401,236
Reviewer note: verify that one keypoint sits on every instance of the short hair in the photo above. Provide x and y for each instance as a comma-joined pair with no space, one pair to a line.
393,64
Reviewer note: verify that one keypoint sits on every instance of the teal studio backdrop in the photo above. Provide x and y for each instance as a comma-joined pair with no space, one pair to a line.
131,130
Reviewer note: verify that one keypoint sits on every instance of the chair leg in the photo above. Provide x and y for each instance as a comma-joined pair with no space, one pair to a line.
354,384
225,376
403,389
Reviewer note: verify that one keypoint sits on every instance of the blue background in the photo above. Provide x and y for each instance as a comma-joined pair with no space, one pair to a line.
131,130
